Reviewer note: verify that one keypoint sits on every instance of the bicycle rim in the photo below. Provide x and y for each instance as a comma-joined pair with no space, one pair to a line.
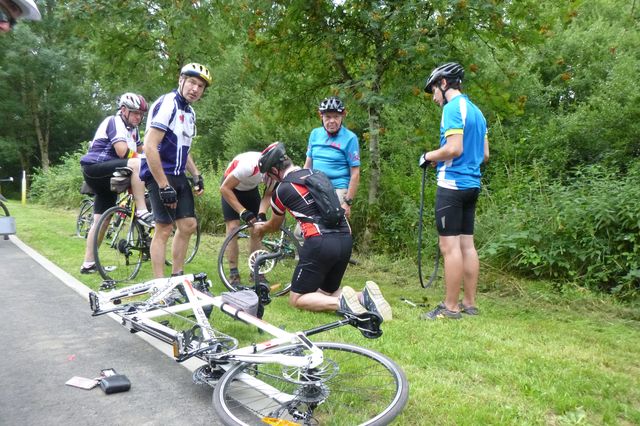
281,270
85,218
119,253
4,211
353,386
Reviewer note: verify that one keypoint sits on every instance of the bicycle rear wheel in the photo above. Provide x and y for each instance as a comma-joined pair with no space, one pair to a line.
353,386
277,272
192,248
85,218
118,254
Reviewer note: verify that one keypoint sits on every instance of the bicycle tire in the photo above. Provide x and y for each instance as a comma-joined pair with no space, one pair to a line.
283,267
192,249
3,209
355,386
118,255
85,218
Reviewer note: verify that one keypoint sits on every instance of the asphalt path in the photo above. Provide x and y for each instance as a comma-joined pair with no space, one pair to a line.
48,336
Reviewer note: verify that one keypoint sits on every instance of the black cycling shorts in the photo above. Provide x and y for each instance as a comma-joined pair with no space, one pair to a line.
98,177
323,261
455,211
250,200
186,205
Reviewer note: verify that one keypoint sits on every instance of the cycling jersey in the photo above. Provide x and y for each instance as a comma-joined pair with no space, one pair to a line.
172,114
244,167
334,155
112,129
461,116
297,199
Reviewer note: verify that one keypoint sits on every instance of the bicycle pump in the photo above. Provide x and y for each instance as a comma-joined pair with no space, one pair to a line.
436,264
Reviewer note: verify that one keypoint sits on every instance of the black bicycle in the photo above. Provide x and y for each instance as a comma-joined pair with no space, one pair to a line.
278,255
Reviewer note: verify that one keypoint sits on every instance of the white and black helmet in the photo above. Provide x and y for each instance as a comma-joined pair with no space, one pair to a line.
133,102
331,104
29,10
451,71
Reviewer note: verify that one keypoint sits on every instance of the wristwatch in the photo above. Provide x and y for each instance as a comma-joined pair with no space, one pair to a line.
348,201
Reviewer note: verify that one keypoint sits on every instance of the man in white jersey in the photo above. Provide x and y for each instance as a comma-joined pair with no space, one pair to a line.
463,148
171,128
241,199
12,10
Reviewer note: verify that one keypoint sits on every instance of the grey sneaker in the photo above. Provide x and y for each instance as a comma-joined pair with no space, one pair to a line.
374,301
348,301
441,312
146,219
469,310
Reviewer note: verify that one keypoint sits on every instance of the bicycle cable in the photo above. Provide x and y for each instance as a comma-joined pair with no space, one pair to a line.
436,264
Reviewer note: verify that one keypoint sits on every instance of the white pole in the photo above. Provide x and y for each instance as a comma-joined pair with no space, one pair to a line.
24,187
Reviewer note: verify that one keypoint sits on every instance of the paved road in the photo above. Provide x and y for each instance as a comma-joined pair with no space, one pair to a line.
48,336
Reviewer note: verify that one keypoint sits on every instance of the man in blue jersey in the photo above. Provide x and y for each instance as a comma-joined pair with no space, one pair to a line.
170,130
463,148
334,149
12,10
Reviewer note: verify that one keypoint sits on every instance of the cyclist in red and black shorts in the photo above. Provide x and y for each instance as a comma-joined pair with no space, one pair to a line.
325,254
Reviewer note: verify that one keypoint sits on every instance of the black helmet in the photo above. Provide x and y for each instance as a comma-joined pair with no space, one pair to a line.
451,71
332,104
272,156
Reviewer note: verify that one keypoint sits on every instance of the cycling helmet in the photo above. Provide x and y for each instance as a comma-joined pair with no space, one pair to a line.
197,70
133,102
331,104
272,156
451,71
29,10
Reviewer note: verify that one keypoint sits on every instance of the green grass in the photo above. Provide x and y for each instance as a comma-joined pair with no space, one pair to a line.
533,356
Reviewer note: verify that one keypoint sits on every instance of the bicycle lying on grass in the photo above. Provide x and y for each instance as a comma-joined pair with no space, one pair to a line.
277,270
286,380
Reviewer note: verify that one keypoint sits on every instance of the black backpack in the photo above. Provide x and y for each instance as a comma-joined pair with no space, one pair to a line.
324,195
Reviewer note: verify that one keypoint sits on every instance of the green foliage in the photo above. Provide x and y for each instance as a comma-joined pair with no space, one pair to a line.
586,232
60,185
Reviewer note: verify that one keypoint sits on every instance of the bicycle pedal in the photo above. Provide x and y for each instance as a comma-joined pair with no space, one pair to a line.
107,285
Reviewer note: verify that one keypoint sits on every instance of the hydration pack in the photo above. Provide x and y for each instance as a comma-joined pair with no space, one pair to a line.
324,195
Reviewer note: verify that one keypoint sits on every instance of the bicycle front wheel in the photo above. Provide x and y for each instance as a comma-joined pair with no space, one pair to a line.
353,386
119,247
85,218
276,272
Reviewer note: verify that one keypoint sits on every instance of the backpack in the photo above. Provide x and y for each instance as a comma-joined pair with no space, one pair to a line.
324,195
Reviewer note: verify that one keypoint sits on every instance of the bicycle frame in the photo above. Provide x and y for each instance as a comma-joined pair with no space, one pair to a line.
141,316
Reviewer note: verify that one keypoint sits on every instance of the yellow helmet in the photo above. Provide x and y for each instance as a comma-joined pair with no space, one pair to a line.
197,70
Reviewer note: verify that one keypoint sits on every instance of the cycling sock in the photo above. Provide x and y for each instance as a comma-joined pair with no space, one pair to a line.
140,213
88,264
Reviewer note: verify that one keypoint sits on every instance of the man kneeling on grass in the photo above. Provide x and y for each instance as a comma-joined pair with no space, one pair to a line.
326,251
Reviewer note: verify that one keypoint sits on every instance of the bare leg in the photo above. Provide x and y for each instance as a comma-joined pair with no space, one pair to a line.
316,302
159,247
88,251
471,269
453,270
137,186
185,227
232,247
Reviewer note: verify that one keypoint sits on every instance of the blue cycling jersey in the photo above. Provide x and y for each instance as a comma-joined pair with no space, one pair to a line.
461,116
112,130
334,155
172,114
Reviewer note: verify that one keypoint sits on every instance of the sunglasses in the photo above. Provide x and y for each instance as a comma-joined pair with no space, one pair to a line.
5,17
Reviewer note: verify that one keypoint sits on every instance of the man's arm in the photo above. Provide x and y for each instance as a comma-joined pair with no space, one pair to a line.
450,150
151,143
226,190
191,168
486,149
354,181
308,163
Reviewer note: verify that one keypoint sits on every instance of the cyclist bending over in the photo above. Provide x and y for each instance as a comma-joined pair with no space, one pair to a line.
115,144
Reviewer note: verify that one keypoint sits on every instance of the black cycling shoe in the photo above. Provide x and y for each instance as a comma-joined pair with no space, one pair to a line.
89,270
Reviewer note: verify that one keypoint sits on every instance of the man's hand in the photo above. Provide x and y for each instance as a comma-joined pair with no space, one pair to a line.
248,217
169,196
423,162
262,217
198,184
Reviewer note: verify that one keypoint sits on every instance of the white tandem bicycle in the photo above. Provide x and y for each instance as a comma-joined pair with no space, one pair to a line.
287,380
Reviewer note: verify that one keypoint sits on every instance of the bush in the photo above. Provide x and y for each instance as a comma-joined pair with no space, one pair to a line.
587,232
60,185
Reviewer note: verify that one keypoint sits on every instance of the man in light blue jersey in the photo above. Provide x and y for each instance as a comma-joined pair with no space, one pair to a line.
464,146
171,128
334,149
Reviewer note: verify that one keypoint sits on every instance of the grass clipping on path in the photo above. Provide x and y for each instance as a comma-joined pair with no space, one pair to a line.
533,357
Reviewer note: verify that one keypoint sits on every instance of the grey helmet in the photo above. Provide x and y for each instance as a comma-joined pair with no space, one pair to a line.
451,71
133,102
272,156
331,104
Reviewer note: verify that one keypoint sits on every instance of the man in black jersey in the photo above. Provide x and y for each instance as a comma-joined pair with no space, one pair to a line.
325,254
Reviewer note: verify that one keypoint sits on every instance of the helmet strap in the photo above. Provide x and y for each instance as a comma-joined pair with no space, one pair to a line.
125,118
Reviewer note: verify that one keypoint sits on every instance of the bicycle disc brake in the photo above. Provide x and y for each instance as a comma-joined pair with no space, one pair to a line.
266,266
